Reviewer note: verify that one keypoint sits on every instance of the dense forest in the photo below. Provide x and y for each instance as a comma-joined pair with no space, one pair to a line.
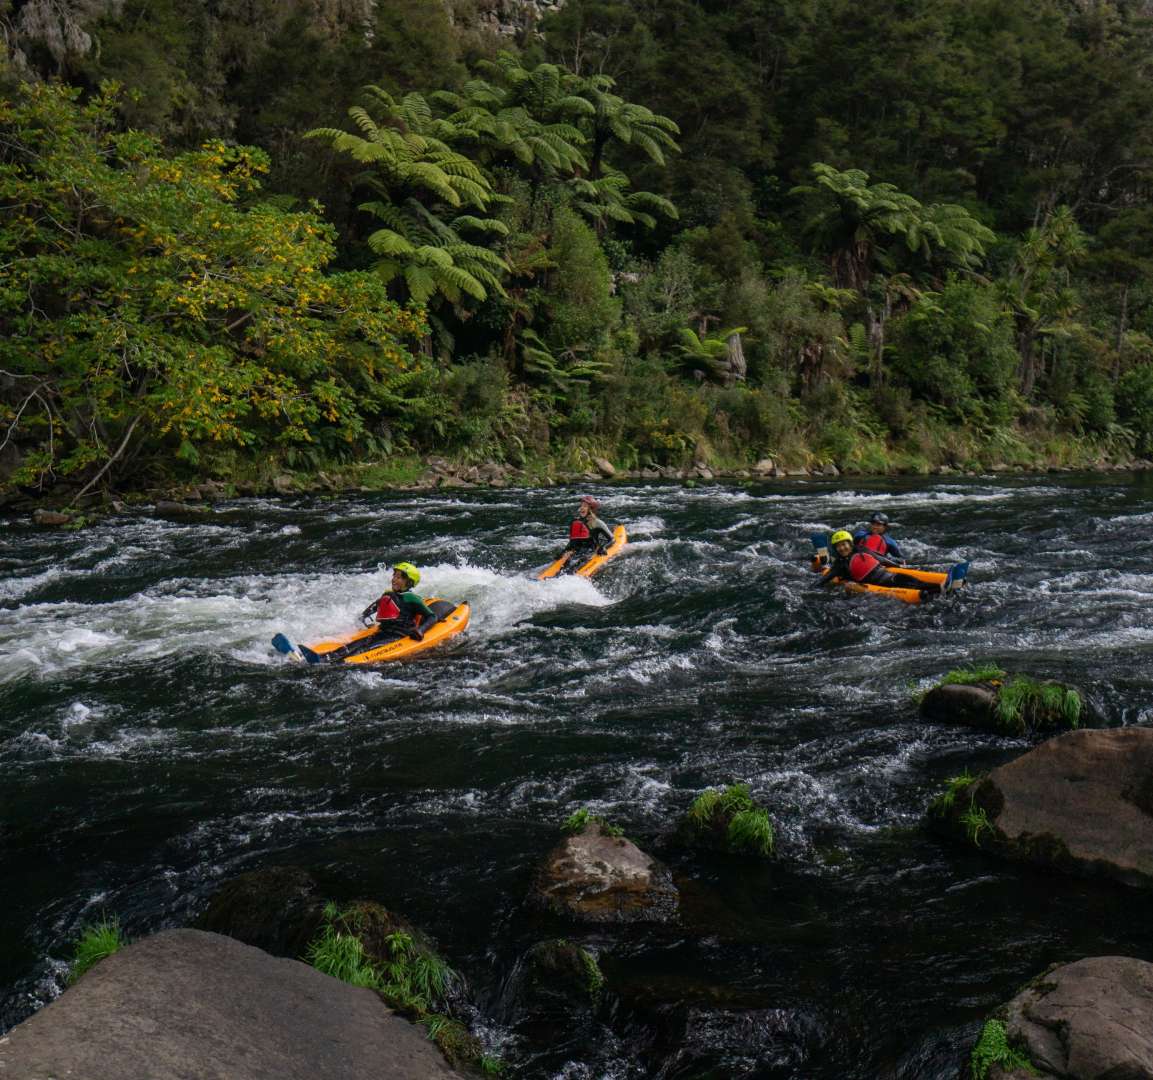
248,235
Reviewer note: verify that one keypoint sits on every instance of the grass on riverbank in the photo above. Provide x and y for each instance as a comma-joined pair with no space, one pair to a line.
96,942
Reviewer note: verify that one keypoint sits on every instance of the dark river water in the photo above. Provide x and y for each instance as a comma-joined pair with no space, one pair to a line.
153,745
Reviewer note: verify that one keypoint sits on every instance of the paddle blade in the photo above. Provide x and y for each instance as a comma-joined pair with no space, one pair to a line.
819,540
956,576
282,645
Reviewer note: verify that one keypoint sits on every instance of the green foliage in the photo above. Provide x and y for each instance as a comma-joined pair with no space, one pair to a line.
1024,703
751,830
944,802
150,307
991,293
733,813
580,819
408,975
975,821
595,979
992,1048
96,942
968,676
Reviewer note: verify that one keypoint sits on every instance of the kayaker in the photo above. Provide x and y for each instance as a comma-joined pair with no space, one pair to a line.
862,567
874,538
587,535
398,613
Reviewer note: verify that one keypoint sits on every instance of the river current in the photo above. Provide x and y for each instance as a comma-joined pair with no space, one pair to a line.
152,745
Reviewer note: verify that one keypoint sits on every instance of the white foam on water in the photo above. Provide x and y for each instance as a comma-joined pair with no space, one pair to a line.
237,617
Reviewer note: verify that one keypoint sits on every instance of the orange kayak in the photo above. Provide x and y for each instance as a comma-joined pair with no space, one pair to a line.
453,619
592,565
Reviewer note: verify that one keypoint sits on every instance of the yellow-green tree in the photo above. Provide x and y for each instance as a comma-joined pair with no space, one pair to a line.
150,306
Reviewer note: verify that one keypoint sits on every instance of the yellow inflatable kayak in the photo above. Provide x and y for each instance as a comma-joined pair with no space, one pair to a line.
620,538
453,619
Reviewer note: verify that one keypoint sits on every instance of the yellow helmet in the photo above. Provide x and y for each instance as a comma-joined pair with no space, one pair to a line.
840,536
409,571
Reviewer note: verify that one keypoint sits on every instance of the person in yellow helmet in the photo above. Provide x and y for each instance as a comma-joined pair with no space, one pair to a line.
862,566
397,613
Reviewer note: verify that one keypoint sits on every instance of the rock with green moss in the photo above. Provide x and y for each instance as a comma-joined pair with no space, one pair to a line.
596,875
1081,803
552,996
1082,1021
728,820
277,909
986,697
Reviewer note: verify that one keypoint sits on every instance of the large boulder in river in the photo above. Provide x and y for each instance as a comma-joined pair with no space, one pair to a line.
185,1003
276,909
599,877
1089,1020
1080,802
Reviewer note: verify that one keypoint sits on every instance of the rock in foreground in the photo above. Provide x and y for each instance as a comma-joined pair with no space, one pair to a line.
185,1004
1081,803
597,877
1084,1021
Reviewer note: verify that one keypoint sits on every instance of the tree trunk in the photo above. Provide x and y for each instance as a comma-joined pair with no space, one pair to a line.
735,357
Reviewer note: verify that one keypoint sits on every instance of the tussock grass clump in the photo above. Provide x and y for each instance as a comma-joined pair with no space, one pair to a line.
944,802
96,942
969,676
730,815
1025,703
577,821
993,1049
406,973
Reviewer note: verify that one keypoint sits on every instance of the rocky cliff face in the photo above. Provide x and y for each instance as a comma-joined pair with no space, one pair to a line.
40,37
508,18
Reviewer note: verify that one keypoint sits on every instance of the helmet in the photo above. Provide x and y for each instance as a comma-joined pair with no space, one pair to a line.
409,571
840,536
879,519
591,503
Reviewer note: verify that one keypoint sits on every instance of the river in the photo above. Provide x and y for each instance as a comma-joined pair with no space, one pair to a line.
152,745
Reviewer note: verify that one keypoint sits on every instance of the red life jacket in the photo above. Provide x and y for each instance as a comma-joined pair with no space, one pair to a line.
387,608
875,542
862,565
578,530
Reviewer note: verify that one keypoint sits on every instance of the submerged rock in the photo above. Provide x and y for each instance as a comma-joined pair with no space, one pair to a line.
1081,803
551,997
598,877
184,1003
1082,1021
276,909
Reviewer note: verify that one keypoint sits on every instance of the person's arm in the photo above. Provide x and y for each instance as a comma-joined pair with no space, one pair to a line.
368,615
417,606
895,551
606,535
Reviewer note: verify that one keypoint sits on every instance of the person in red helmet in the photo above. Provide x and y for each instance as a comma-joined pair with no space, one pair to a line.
587,535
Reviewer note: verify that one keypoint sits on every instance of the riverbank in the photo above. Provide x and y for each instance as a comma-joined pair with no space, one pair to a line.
416,473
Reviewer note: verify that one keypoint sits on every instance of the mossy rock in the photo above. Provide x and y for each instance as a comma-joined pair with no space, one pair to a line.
993,700
276,909
560,970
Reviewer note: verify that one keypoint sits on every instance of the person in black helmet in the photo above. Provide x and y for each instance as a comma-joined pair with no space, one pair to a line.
875,539
587,535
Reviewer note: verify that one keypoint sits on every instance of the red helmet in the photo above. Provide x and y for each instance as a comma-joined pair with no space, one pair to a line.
591,503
